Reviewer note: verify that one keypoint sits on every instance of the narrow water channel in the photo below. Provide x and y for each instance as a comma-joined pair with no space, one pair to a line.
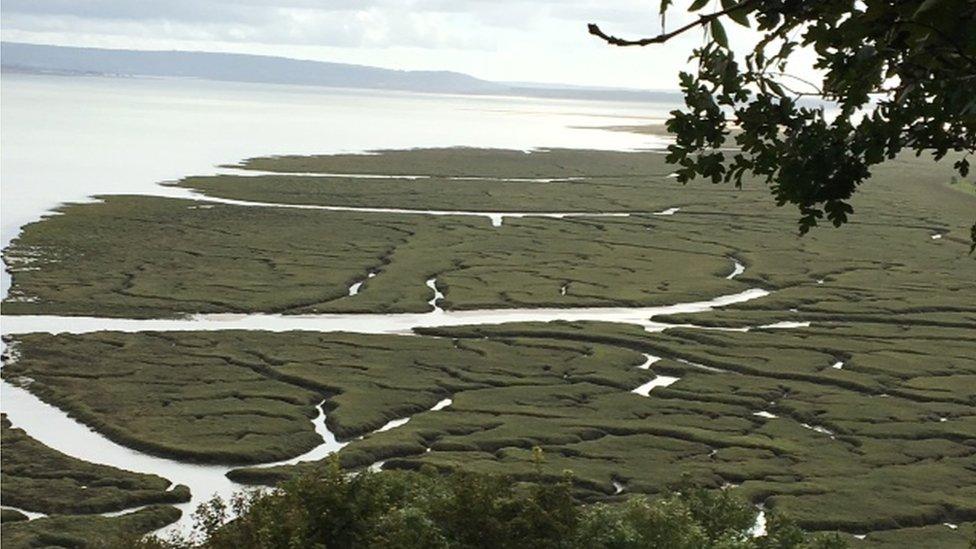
396,323
54,428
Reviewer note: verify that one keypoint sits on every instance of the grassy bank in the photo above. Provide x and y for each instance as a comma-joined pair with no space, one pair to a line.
170,395
37,478
86,532
72,493
206,258
876,445
867,418
239,259
249,396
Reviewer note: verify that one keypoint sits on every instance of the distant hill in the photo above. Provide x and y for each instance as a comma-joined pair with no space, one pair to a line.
33,58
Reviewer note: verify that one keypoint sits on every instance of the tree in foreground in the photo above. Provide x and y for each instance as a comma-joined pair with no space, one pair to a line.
430,510
902,73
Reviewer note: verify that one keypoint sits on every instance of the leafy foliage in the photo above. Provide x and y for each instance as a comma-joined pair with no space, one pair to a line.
901,73
405,510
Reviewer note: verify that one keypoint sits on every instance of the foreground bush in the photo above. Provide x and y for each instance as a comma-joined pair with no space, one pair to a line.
414,510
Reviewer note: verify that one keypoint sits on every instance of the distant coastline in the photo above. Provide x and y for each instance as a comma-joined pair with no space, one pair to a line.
232,67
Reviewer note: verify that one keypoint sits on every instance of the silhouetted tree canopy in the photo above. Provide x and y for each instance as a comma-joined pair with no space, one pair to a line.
903,74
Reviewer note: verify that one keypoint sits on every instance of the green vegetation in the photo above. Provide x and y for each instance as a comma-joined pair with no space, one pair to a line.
897,71
875,447
37,478
196,404
427,510
968,186
11,515
195,259
963,537
463,179
249,396
40,479
891,462
593,194
86,532
239,259
899,414
471,162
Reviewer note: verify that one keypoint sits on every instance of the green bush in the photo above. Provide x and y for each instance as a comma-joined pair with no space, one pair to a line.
427,509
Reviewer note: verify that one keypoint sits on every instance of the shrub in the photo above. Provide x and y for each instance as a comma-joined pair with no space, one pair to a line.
427,509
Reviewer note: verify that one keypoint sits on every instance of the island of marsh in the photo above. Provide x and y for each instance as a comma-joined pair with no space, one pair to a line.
69,493
830,447
39,479
863,422
195,257
86,531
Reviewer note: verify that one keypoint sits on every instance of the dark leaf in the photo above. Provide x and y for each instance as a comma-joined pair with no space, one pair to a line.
962,166
718,33
740,16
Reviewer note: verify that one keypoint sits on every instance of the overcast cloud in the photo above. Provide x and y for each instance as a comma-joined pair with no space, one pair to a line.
508,40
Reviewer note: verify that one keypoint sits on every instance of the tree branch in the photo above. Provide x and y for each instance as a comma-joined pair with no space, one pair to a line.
662,38
818,90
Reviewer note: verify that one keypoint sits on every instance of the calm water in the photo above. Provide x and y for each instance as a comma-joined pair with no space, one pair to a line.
56,429
66,138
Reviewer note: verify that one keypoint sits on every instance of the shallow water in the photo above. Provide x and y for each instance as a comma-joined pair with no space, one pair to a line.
658,381
818,428
648,361
54,428
393,424
759,527
31,515
400,422
432,284
145,131
442,404
785,325
737,269
65,139
329,445
699,366
496,218
399,323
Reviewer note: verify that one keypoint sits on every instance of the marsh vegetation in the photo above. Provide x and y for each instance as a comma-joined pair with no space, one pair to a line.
875,448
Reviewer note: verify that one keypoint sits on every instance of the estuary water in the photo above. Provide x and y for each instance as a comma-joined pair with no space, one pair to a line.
392,323
65,139
56,429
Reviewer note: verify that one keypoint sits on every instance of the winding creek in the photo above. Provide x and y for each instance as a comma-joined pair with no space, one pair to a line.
292,130
496,218
54,428
397,323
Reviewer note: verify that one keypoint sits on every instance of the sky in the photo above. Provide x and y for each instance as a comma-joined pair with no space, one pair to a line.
501,40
